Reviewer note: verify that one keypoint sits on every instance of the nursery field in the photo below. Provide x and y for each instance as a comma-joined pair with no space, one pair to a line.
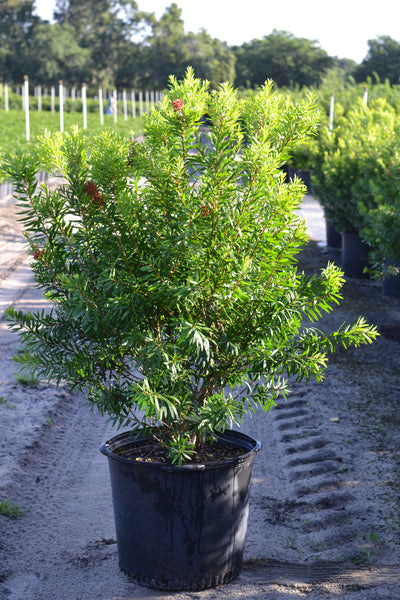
13,129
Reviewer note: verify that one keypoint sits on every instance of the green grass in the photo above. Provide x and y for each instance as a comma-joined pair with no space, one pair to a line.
27,380
6,403
11,510
12,126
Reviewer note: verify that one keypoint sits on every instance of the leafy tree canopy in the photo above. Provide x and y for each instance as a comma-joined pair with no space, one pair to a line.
382,61
282,57
17,21
167,49
104,27
58,55
113,43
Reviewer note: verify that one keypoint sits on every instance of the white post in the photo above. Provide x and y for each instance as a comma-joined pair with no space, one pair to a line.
61,98
331,110
365,95
133,104
140,103
26,104
152,98
147,100
125,105
53,98
115,106
39,98
101,106
6,96
73,93
84,106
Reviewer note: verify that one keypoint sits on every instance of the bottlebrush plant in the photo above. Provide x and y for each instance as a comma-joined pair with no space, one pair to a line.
170,265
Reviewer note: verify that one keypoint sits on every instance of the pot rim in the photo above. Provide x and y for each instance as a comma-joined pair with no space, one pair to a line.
232,437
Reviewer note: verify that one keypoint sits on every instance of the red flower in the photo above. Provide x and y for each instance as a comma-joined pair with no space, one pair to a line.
177,105
38,254
93,193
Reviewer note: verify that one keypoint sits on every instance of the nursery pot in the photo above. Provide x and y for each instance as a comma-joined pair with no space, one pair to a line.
181,528
354,255
303,175
391,285
333,237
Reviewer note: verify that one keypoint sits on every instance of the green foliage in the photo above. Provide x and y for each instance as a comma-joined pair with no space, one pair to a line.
382,220
170,265
169,49
382,61
356,175
282,57
6,403
101,31
114,44
17,23
58,55
12,125
347,161
28,380
211,58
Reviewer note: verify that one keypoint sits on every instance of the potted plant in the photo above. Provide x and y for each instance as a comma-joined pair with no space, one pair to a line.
381,231
300,161
382,223
177,307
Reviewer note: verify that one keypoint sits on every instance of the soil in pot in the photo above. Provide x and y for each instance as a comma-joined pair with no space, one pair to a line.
181,528
151,450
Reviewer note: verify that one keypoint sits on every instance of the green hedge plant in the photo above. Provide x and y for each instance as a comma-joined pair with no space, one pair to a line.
382,222
170,265
345,163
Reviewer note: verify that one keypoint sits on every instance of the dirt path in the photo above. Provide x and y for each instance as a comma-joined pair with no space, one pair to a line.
324,518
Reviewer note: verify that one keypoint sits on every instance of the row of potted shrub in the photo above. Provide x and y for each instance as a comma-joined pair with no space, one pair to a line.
356,177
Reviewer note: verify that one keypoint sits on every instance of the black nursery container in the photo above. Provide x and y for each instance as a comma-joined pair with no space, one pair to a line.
391,286
333,237
354,255
181,528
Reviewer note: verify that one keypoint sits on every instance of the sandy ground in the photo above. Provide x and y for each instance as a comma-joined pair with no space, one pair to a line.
324,518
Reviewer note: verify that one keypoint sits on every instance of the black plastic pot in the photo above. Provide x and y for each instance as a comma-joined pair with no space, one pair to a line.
181,528
354,255
391,285
303,175
333,237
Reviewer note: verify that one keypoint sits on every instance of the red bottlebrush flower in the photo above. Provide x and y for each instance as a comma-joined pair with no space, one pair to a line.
93,193
204,211
38,254
177,105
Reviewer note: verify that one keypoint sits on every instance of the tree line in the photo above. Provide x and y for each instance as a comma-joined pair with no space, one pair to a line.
112,43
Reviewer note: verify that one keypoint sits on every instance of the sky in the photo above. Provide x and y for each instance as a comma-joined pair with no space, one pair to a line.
341,27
